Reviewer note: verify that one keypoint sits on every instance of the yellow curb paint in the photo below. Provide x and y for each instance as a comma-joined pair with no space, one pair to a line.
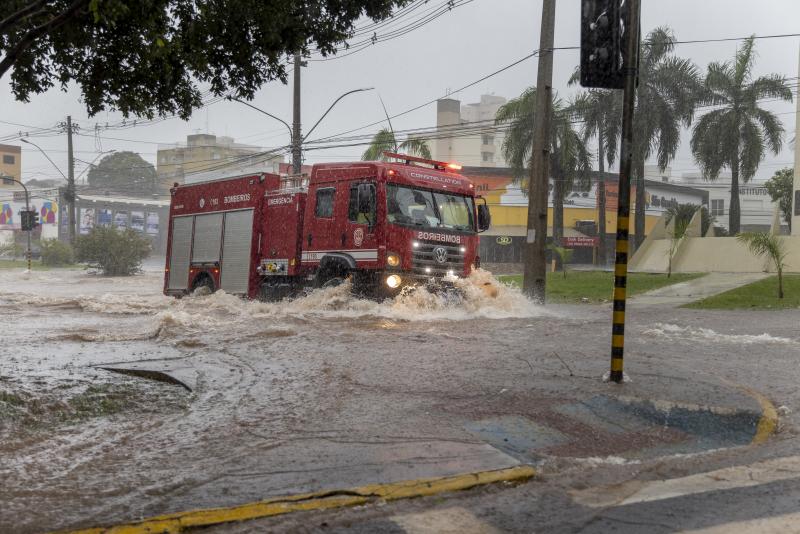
768,421
180,521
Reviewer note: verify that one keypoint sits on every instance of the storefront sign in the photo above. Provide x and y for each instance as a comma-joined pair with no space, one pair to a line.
580,241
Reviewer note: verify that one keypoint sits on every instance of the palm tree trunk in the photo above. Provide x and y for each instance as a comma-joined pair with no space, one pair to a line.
734,214
640,207
780,283
601,200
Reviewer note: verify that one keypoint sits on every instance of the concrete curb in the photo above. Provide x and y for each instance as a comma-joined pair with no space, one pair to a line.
768,422
324,500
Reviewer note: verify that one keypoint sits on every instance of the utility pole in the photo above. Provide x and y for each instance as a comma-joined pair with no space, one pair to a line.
624,205
70,184
297,138
534,281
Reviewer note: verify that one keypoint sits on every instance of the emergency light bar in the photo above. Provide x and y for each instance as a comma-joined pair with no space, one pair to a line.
438,165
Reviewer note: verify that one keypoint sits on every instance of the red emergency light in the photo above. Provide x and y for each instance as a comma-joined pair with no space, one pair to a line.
438,165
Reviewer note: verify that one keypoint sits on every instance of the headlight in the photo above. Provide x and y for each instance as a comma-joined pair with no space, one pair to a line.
393,281
392,259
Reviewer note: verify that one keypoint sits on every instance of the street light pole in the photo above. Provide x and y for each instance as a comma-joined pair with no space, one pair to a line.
70,195
27,209
296,135
297,140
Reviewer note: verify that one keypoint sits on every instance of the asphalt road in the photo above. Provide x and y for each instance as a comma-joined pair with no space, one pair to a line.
333,392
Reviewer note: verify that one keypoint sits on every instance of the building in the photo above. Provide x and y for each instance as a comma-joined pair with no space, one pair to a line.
207,157
796,188
756,206
475,149
504,241
10,166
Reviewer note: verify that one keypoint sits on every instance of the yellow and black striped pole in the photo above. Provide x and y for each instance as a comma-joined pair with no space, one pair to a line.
624,202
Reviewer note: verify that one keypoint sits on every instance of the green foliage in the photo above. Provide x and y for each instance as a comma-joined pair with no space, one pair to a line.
737,133
124,172
116,252
150,57
756,296
564,256
780,188
15,250
56,253
767,246
385,140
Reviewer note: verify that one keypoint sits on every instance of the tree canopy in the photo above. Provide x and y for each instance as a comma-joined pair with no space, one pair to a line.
124,172
385,140
780,188
150,57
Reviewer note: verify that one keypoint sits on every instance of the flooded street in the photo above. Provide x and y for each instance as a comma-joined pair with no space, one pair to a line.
327,390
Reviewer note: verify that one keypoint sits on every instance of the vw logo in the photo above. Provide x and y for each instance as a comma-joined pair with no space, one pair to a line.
440,254
202,202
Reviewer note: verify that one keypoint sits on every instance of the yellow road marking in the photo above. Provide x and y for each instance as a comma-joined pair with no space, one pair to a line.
180,521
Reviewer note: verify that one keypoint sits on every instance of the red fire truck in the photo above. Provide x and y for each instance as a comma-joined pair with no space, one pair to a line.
385,225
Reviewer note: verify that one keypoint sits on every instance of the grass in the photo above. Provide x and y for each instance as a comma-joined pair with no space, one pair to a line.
36,265
597,286
761,295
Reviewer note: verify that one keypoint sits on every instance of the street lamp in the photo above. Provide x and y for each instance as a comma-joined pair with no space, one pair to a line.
69,196
297,141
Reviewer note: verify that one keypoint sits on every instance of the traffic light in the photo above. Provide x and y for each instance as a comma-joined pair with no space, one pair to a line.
29,220
603,26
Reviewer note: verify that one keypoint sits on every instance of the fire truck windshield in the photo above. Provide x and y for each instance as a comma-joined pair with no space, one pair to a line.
429,209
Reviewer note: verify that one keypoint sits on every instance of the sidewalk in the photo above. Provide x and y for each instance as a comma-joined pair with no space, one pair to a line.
697,289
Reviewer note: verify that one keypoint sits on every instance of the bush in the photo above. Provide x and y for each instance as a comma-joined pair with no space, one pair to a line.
56,253
115,252
13,250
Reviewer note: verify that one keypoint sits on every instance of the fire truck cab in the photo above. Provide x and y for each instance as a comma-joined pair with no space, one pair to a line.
384,225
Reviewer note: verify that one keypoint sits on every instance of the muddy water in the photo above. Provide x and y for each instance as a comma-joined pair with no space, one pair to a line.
292,396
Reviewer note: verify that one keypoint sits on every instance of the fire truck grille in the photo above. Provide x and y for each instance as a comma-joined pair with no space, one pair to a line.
435,259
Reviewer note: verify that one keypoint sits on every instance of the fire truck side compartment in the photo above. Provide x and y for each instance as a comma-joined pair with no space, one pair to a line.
207,238
181,249
236,243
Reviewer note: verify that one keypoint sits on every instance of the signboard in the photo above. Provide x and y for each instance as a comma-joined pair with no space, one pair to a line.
152,222
104,217
579,241
503,240
19,196
86,220
137,221
121,219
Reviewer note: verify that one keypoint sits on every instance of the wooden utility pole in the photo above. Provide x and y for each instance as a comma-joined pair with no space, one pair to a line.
534,281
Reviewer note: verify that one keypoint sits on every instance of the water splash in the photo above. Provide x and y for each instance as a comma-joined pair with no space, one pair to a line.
669,330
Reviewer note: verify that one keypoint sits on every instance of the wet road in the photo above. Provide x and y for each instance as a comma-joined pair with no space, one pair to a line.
292,397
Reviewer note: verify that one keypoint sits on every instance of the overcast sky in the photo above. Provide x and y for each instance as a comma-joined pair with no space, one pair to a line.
460,47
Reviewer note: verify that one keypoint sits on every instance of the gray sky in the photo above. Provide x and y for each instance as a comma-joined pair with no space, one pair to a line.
454,50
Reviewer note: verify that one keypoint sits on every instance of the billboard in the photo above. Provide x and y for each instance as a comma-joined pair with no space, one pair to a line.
121,219
152,222
104,217
137,221
86,220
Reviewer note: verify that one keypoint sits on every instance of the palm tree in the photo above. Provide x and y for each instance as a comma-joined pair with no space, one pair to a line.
769,246
570,160
600,111
665,101
385,140
735,134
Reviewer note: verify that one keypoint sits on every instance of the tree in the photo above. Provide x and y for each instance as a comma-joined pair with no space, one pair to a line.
570,160
665,102
780,188
736,133
600,110
114,251
124,172
46,183
768,246
682,215
148,57
385,140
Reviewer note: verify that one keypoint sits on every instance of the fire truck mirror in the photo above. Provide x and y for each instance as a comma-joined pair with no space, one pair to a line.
366,202
484,217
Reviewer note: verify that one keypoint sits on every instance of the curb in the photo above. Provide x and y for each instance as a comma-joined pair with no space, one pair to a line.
323,500
768,422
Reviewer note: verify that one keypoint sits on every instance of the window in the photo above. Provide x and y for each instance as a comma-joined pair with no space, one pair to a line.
487,156
487,140
8,180
362,210
324,207
8,159
426,209
717,207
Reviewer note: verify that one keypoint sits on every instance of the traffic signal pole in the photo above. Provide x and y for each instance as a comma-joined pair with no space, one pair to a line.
28,218
624,204
534,281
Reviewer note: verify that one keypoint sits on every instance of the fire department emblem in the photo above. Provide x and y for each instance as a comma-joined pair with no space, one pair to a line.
202,202
440,254
358,236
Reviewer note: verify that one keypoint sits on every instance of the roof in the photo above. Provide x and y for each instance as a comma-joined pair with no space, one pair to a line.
521,231
124,200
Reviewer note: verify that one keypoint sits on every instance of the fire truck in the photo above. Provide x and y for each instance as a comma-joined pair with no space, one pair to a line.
384,225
